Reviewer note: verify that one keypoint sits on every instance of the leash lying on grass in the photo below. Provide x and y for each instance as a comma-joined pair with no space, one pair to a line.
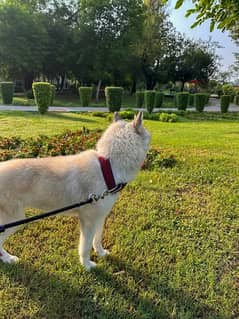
92,198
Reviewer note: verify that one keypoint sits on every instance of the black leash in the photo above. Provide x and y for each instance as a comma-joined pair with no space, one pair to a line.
92,198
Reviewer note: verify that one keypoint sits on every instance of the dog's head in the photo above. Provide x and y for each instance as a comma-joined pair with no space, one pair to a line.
126,143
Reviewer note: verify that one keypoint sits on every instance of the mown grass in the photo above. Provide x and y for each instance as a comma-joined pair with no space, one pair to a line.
173,235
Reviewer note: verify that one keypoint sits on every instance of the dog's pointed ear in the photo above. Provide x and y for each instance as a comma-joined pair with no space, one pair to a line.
116,117
138,121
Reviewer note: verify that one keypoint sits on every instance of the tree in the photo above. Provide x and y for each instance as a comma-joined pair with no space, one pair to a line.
23,41
108,31
222,14
190,60
154,42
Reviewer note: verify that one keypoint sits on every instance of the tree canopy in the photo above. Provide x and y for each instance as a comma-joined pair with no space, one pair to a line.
119,42
222,14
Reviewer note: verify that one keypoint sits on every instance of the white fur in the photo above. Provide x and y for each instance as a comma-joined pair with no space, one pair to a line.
54,182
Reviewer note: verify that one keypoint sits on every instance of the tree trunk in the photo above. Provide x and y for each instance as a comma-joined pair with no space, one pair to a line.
63,76
133,87
97,95
182,87
28,80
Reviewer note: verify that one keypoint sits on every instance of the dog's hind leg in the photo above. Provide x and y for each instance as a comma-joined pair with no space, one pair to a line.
13,213
97,241
4,255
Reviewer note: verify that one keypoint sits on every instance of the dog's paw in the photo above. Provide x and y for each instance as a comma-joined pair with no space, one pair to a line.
9,259
103,252
89,265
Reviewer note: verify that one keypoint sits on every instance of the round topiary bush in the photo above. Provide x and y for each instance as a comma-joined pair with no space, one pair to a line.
149,97
7,89
158,99
182,100
200,101
85,95
139,99
113,98
43,95
225,102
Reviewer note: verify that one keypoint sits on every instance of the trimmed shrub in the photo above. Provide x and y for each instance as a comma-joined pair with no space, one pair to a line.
113,97
207,97
43,95
191,100
166,117
225,102
85,93
200,101
228,89
139,99
7,89
158,100
182,100
149,97
53,94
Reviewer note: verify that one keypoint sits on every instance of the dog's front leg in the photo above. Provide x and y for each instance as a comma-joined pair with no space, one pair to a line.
86,238
97,241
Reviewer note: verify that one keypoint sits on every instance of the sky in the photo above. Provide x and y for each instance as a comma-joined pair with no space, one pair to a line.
183,24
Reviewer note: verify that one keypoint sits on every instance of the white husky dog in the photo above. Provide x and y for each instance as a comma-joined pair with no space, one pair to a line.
54,182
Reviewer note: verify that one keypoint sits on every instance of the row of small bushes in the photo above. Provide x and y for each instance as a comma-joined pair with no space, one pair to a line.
113,97
129,115
44,94
198,100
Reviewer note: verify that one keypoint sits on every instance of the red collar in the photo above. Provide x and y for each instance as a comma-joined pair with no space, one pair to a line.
107,172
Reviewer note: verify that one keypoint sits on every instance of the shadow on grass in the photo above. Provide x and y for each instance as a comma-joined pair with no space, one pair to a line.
149,298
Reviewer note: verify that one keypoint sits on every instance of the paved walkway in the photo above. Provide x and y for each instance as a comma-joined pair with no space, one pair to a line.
214,107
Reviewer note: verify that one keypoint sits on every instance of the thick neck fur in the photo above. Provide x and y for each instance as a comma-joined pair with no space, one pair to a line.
125,148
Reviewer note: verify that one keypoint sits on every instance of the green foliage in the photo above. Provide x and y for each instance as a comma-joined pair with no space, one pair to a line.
225,102
149,97
200,101
43,95
85,95
158,100
139,99
156,160
228,89
168,117
224,14
7,89
191,100
113,98
43,146
182,100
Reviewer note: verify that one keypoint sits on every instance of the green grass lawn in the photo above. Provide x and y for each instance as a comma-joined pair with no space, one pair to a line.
173,235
